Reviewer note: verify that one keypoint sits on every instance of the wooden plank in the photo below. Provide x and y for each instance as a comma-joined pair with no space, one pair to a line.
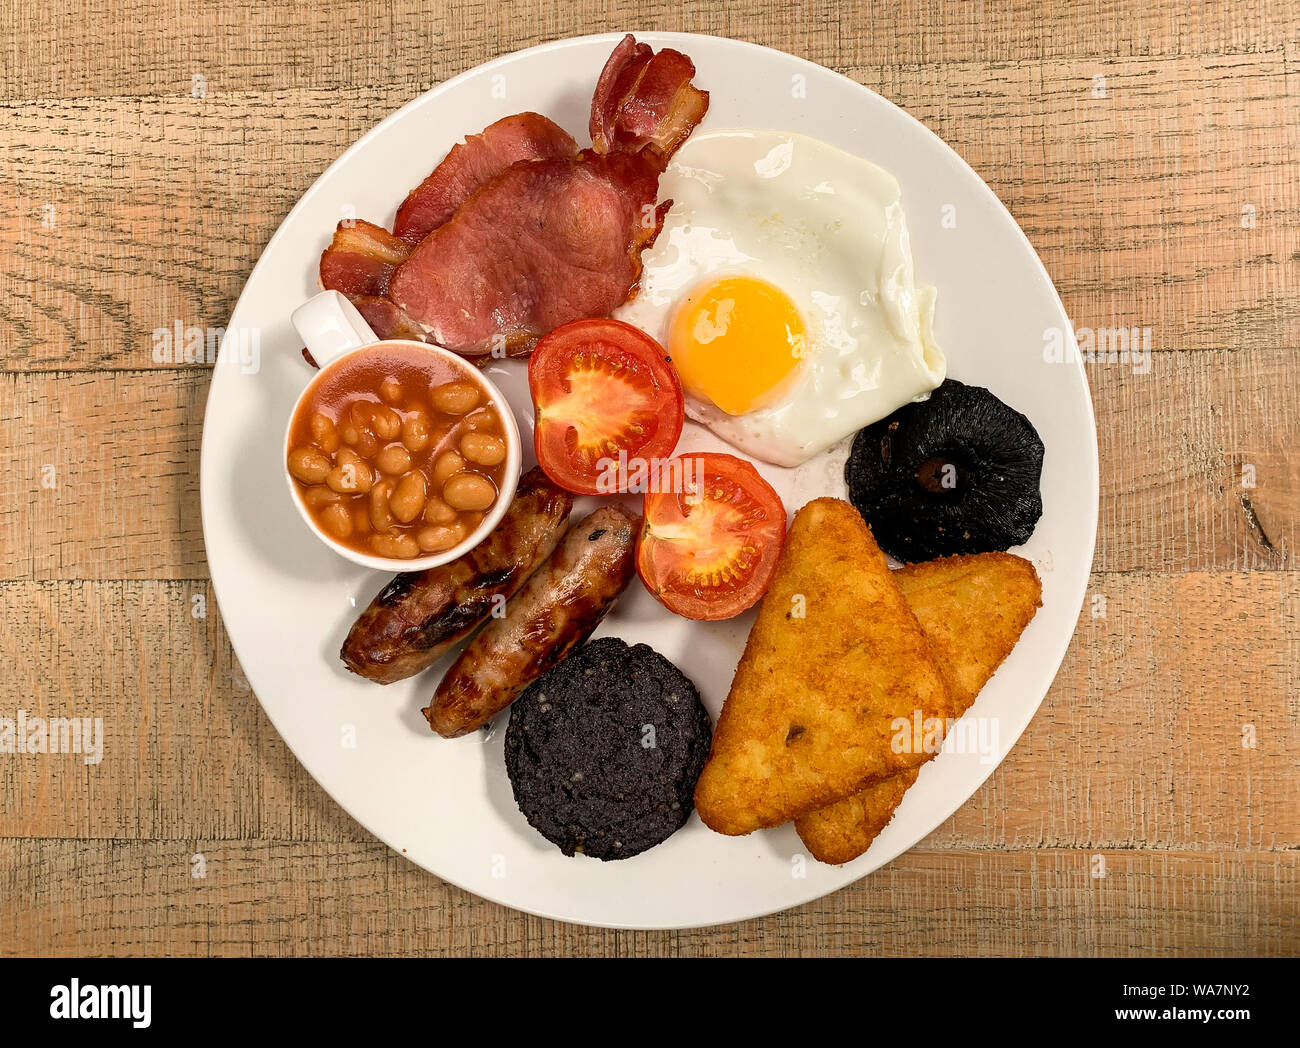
103,47
1174,723
1199,469
124,448
160,207
132,214
1138,743
186,749
1169,203
258,898
100,474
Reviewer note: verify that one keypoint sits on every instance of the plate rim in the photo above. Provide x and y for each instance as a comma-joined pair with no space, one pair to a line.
682,40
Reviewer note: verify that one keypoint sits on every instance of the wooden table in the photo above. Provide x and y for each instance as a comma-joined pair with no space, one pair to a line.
1148,150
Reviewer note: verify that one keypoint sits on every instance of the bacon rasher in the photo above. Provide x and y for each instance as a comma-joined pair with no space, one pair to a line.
517,232
474,162
543,243
645,100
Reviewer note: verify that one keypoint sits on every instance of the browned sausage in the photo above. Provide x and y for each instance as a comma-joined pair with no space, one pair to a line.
421,614
558,609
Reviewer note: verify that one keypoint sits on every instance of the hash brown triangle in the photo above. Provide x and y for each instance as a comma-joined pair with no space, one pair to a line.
972,610
835,656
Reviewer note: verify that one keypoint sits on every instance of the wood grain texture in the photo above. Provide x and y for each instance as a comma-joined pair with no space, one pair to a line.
99,475
1148,150
106,48
132,214
127,898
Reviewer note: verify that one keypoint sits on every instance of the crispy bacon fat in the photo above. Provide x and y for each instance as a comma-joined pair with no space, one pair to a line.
543,243
645,100
361,259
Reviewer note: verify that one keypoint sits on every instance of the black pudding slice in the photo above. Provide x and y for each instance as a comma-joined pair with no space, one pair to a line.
957,473
604,750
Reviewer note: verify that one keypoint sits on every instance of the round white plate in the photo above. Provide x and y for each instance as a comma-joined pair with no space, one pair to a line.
288,601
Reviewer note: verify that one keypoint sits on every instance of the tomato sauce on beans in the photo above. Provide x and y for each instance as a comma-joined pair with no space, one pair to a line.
396,454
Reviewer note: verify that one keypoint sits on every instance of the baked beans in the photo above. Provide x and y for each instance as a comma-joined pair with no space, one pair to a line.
397,454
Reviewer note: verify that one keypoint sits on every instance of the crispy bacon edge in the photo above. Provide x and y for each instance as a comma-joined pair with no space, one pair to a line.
361,258
645,100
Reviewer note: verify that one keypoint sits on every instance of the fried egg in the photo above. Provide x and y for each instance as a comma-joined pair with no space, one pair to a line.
782,288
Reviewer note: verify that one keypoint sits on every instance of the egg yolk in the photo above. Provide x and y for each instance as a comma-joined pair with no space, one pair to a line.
737,342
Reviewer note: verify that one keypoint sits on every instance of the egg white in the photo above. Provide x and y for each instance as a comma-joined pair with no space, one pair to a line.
828,229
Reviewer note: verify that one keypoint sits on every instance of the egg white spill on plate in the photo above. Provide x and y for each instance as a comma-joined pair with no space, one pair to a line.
782,288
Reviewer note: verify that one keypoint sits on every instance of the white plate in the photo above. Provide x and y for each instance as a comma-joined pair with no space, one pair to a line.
288,601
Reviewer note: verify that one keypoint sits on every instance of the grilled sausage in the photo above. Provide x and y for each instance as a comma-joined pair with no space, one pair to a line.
559,608
421,614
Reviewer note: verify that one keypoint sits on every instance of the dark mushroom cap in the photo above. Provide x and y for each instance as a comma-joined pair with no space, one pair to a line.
957,473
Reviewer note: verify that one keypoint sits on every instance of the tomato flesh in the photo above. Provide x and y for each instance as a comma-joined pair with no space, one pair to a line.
710,554
601,389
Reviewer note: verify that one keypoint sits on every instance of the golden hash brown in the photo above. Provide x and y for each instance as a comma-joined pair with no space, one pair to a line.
841,832
834,657
972,610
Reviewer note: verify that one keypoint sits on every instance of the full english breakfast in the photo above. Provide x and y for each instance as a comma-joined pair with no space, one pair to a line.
752,284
